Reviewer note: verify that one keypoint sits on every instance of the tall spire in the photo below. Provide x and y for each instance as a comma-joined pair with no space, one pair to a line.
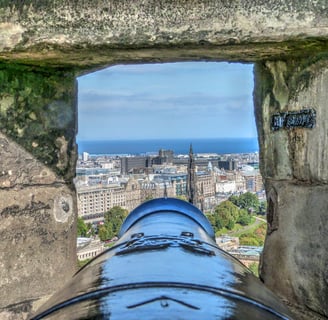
165,190
191,178
190,150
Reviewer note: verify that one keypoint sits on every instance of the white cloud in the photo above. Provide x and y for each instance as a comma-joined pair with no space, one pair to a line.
145,99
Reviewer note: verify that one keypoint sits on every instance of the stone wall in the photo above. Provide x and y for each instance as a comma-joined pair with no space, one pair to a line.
37,198
94,33
294,163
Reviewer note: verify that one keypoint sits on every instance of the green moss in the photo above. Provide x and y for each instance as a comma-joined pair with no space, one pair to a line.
40,108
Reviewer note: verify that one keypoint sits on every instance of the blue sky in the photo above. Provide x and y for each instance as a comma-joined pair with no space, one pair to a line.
169,100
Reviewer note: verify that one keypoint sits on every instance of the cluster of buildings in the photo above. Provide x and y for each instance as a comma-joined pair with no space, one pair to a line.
248,255
103,182
88,248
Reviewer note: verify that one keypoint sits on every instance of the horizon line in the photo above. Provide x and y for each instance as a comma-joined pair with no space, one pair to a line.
150,139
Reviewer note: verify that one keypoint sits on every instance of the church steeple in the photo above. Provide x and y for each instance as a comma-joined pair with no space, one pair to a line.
191,178
190,150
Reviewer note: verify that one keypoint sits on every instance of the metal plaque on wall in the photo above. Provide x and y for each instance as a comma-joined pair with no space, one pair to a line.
305,118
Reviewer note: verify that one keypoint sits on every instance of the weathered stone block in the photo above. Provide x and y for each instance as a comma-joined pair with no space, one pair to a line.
37,196
38,238
295,153
295,260
63,33
294,164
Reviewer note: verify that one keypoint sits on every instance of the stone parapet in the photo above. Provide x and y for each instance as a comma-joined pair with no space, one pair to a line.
62,34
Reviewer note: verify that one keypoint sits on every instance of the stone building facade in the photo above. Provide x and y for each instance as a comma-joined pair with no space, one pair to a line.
94,201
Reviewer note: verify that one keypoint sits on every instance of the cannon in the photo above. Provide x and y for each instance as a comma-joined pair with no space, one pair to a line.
165,265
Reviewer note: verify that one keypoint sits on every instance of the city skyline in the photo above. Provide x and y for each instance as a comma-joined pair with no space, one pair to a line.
169,100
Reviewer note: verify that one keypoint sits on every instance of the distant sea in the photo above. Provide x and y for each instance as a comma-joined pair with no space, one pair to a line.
179,146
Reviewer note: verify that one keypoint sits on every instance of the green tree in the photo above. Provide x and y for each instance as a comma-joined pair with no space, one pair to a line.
234,200
227,210
215,221
211,219
230,224
114,219
226,214
82,228
249,201
249,239
103,233
91,230
244,217
263,207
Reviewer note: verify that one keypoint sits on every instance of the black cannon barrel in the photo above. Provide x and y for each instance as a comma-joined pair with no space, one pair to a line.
165,265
